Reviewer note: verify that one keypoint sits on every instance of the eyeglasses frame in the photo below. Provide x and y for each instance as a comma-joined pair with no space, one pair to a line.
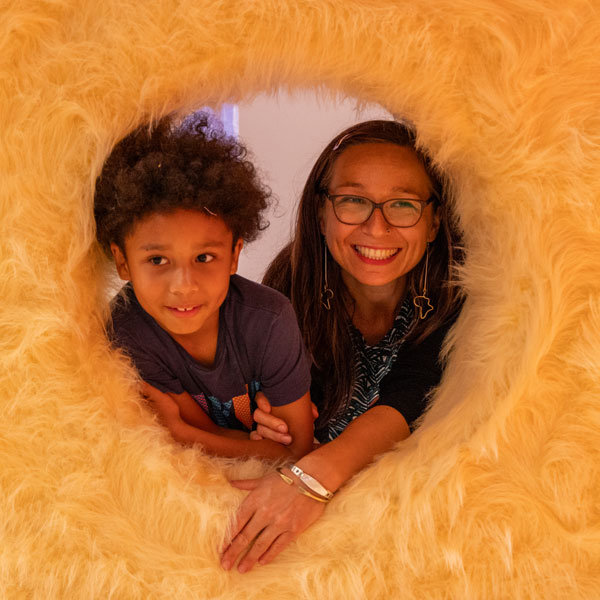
379,205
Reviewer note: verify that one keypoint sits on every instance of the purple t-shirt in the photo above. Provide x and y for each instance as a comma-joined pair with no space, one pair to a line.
259,347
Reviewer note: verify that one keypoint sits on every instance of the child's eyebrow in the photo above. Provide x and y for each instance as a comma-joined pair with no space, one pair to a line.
203,245
153,247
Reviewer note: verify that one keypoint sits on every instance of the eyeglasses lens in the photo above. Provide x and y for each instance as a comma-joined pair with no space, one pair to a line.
354,210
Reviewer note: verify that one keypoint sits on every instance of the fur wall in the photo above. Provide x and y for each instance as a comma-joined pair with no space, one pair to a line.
498,493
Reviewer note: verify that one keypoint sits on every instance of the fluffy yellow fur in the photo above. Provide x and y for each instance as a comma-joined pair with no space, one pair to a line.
497,494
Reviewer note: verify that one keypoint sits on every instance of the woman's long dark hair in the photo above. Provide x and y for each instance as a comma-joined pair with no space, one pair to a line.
297,271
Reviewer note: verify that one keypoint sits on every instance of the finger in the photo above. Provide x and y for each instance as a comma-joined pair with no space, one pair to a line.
254,435
270,421
267,419
261,544
238,546
151,393
238,523
315,410
145,389
276,547
244,484
275,436
241,542
262,402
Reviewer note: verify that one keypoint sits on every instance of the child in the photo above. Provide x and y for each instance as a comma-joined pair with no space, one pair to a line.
173,207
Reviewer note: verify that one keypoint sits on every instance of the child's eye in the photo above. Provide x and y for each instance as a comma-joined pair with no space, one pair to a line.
157,260
205,258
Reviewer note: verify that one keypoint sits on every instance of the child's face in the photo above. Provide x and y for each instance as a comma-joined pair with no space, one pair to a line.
179,264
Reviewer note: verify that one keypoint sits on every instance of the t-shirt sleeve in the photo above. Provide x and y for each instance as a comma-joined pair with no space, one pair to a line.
416,370
139,343
285,366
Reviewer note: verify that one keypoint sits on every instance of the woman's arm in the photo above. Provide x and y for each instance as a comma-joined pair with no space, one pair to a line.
274,513
189,424
415,372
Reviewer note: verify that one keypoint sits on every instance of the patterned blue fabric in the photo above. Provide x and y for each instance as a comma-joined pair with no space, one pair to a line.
371,365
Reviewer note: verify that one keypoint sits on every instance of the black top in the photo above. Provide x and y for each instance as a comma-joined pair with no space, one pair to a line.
407,382
416,370
371,364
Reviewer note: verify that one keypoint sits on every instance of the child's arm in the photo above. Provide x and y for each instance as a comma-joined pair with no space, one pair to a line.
173,408
189,424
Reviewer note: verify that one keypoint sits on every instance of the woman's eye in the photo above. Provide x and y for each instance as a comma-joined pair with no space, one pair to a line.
205,258
157,260
405,205
348,200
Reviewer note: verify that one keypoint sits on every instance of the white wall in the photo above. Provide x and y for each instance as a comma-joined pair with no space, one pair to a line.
285,134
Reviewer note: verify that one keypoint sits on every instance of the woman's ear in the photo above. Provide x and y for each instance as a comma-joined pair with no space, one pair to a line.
120,262
321,217
235,257
435,225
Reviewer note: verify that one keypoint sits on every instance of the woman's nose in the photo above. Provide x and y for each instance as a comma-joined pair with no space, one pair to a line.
376,225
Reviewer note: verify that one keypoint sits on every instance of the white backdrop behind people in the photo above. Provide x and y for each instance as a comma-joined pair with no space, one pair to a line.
285,133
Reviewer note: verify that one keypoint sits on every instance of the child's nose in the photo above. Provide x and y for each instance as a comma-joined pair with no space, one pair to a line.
183,281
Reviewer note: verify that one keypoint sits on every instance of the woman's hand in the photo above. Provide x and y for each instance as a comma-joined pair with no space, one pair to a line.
271,516
269,426
275,513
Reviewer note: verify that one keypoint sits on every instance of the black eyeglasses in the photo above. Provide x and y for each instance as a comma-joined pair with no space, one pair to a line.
398,212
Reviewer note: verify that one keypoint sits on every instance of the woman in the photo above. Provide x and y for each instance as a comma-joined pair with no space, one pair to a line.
368,273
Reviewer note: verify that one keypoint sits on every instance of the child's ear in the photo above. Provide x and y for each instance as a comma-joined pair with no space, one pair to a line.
120,262
235,257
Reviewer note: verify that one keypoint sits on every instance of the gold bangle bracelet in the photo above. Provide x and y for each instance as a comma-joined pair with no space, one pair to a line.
300,489
285,478
311,483
304,491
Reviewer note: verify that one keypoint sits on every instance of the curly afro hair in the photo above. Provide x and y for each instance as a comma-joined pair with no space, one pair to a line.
166,168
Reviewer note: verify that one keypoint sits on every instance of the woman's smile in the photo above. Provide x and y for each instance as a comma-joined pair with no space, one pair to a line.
374,255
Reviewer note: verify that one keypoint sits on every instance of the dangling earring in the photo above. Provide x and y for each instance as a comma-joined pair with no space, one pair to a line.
422,302
327,292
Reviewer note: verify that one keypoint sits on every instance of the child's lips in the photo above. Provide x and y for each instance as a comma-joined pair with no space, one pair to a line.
184,312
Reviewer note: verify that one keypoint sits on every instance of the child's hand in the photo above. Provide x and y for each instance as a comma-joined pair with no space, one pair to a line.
269,426
166,408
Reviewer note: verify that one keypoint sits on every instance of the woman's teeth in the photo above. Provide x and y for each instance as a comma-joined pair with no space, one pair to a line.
376,253
184,309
